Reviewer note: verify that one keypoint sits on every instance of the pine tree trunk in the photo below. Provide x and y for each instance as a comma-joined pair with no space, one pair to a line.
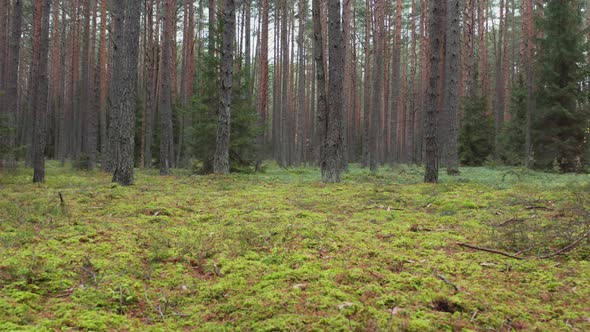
377,104
322,104
165,104
530,77
333,159
413,89
434,101
63,104
221,160
11,100
424,58
39,85
93,116
102,68
348,79
284,138
452,85
122,120
152,92
500,82
54,82
366,148
247,45
4,35
397,106
300,109
263,88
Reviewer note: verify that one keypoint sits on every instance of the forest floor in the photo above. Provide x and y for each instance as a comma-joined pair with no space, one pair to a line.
280,251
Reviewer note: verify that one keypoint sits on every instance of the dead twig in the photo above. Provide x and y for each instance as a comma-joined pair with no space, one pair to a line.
509,221
465,245
536,207
447,281
474,315
217,270
568,247
523,251
376,275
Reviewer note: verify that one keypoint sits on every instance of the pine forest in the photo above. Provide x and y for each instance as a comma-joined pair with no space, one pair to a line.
294,165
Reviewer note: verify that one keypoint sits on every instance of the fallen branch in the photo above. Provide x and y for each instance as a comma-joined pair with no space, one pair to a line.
447,281
465,245
568,247
523,251
535,207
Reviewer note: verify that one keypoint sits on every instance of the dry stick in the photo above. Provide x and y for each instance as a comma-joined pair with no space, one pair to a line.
447,281
511,220
569,247
534,207
488,250
523,251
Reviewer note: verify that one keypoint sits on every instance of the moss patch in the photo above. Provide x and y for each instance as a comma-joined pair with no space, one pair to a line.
281,251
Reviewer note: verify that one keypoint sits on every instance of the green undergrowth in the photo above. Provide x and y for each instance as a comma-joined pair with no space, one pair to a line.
280,251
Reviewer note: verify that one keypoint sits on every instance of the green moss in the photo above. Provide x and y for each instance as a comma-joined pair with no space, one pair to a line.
281,251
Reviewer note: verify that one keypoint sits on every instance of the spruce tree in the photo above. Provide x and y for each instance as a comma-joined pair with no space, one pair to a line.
513,136
559,127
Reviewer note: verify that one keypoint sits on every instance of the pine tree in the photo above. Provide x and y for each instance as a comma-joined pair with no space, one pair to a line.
221,159
436,78
559,128
476,141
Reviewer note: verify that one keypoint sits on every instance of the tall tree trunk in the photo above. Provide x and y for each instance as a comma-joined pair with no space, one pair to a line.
263,87
434,101
318,51
500,81
413,88
102,67
12,81
366,148
86,89
64,101
39,85
76,111
4,35
530,77
481,45
125,57
469,55
165,105
54,80
152,92
452,85
276,92
93,116
377,104
348,79
247,45
221,160
333,159
212,25
397,106
284,140
300,109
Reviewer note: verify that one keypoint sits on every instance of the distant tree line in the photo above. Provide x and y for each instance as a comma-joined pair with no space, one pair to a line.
223,85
